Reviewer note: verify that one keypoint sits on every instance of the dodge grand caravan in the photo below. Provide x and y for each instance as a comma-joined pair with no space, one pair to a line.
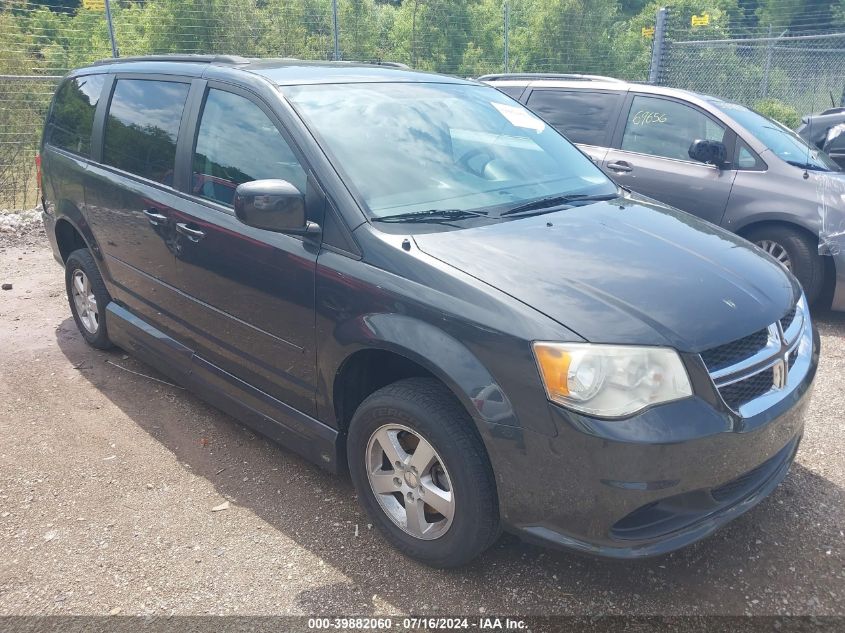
763,182
413,278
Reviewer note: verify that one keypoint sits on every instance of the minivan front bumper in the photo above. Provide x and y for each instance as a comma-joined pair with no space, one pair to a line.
649,484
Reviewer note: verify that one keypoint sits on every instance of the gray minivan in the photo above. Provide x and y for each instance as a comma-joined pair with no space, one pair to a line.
718,160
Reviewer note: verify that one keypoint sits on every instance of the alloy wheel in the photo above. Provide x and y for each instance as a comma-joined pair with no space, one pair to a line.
410,481
85,302
777,251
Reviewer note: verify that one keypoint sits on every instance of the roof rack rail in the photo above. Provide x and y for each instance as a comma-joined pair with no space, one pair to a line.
562,76
202,59
382,62
376,62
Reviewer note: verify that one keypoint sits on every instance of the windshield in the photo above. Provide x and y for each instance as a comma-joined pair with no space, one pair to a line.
782,141
409,148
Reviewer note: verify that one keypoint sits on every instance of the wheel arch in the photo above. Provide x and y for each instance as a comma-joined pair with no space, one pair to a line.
367,370
829,280
69,217
68,238
776,221
72,231
391,347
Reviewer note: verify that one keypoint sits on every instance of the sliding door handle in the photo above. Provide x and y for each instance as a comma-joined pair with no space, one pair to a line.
155,218
620,166
195,235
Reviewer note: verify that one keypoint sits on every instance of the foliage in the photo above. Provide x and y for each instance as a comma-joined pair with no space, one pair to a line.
462,37
779,111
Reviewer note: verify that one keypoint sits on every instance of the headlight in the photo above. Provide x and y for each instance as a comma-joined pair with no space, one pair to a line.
610,380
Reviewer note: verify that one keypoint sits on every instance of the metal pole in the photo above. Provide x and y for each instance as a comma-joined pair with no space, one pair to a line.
658,48
336,31
114,51
507,35
764,89
768,69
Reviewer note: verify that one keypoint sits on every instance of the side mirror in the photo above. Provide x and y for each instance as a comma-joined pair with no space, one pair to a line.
713,152
273,205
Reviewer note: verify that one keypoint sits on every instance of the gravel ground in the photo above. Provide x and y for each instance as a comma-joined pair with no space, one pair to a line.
21,227
109,482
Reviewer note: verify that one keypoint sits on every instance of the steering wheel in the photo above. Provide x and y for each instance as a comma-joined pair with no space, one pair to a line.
464,161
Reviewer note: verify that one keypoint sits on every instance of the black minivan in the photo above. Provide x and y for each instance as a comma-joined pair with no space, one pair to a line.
414,278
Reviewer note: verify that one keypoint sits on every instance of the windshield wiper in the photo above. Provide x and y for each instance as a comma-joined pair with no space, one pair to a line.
808,166
550,202
431,215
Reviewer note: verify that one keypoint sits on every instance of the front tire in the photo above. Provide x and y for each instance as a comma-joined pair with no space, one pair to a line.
796,252
422,474
88,298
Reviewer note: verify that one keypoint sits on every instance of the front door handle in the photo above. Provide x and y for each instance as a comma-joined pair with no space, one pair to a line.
620,166
155,218
195,235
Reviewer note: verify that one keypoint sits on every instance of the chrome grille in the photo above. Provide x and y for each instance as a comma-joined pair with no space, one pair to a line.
787,319
738,393
750,367
735,351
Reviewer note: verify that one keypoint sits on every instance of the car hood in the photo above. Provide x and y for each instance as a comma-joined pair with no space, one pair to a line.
626,271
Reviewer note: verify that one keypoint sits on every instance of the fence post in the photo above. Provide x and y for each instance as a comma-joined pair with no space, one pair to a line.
114,51
764,89
769,52
658,49
507,10
336,31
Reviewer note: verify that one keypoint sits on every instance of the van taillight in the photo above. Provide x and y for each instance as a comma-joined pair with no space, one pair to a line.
38,172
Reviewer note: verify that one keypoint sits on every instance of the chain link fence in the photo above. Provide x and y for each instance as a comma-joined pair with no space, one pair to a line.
23,104
41,40
463,37
794,73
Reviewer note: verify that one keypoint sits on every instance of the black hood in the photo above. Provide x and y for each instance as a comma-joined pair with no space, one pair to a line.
626,271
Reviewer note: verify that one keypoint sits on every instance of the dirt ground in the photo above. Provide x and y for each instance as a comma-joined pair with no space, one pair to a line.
108,480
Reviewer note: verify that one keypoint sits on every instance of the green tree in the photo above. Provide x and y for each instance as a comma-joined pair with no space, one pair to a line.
564,35
797,15
433,34
779,111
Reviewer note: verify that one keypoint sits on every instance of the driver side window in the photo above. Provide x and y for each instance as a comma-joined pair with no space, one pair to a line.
238,143
664,128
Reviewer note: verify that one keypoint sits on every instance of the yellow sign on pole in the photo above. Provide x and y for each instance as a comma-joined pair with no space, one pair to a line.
648,31
94,5
701,20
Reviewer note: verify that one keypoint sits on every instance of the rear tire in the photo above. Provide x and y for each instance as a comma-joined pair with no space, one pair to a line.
419,421
797,252
88,298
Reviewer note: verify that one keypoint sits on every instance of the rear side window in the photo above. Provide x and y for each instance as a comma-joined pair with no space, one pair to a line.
72,116
583,116
238,143
142,127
